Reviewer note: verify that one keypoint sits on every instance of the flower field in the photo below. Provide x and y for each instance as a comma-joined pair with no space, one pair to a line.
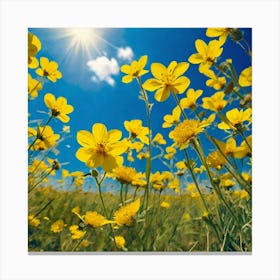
174,179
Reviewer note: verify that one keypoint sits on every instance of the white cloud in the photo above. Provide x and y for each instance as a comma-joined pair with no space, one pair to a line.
103,69
125,53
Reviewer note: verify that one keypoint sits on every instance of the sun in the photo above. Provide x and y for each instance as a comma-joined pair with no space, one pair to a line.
82,35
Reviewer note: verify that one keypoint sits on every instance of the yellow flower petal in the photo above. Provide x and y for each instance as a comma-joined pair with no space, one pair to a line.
162,94
181,84
85,138
152,84
158,70
127,79
99,131
195,58
114,135
180,69
49,100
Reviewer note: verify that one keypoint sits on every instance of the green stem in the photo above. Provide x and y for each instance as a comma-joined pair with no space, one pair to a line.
178,103
45,176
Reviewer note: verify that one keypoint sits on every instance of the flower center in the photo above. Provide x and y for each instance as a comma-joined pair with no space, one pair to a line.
101,149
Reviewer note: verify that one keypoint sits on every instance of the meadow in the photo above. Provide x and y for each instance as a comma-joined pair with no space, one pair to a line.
199,201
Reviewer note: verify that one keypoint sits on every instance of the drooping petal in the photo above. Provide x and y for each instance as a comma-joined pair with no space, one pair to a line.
152,84
162,94
158,70
109,163
49,100
85,138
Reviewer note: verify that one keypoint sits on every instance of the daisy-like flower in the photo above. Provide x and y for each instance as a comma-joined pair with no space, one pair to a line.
160,181
236,118
120,241
216,160
206,54
101,147
49,69
45,137
190,100
241,194
230,148
188,129
244,151
95,220
59,107
215,82
134,70
34,46
214,103
136,130
165,204
34,222
170,152
76,233
167,79
245,78
158,139
126,214
174,118
128,175
222,33
57,226
33,86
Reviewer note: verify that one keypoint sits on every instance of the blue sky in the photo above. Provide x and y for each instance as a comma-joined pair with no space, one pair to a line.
91,80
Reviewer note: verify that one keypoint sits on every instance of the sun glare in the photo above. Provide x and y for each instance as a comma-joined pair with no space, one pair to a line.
82,35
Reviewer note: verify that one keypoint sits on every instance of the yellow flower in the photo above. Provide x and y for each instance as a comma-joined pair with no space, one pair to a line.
190,100
206,54
125,215
66,129
187,217
34,222
101,148
181,165
143,156
244,149
76,233
247,177
76,210
216,160
137,146
165,204
188,129
135,69
57,226
222,33
235,118
158,139
245,78
45,137
167,79
215,82
120,241
174,118
136,130
241,194
128,175
84,243
95,220
49,69
170,152
174,184
229,148
59,107
159,180
34,46
214,103
33,86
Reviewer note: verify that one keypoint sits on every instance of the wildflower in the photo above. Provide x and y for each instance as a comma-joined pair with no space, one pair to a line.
216,160
222,33
247,177
101,147
215,82
45,137
173,119
174,184
128,175
215,103
143,156
245,78
125,215
199,169
187,217
190,100
59,107
158,139
170,152
136,130
76,233
188,129
241,194
46,218
95,220
229,148
227,183
167,79
33,86
37,165
57,226
34,46
34,222
120,241
206,54
84,243
76,210
137,146
244,151
159,180
165,204
235,118
181,166
134,70
49,69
